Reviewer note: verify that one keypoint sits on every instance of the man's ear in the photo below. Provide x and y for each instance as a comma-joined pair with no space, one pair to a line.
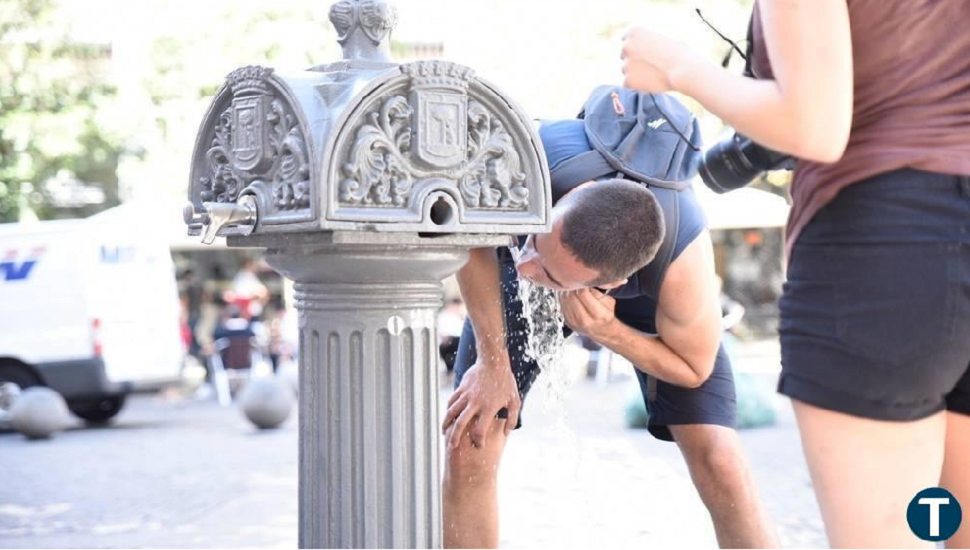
614,284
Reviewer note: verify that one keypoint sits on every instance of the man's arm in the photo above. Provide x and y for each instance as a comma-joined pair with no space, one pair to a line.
688,321
480,284
489,384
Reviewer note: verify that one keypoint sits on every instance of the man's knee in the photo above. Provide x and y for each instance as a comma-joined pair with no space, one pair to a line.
723,466
469,466
714,456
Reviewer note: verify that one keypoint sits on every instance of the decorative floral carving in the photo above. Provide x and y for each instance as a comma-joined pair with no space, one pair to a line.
343,15
381,172
291,169
494,178
376,19
224,183
285,165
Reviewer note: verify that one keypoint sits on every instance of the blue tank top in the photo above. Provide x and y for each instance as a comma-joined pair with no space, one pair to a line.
564,139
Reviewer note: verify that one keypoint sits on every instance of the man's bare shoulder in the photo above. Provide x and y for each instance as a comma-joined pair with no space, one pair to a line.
688,288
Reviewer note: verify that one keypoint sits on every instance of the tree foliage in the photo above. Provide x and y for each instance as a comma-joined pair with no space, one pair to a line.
51,89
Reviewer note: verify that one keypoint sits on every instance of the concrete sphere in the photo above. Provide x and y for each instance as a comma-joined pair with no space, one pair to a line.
39,412
266,401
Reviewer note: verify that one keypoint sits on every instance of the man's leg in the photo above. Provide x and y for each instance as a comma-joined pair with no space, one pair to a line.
867,471
701,421
470,486
470,491
956,475
722,477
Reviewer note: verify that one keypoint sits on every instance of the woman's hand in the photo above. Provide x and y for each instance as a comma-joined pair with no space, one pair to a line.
650,60
805,110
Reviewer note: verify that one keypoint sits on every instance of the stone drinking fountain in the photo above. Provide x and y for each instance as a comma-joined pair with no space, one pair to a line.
367,182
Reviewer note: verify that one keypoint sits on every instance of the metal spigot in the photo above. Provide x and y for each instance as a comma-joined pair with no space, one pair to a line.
215,216
195,220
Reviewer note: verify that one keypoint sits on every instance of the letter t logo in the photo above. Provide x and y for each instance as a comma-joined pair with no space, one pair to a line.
934,504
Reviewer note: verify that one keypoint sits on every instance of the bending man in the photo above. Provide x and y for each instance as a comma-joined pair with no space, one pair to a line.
636,262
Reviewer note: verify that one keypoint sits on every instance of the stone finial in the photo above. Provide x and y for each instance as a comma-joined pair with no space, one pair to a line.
364,28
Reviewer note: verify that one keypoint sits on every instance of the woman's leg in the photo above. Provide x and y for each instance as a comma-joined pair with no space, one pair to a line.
956,472
866,472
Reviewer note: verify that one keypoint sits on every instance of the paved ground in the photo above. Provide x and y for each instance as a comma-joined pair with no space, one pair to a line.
184,473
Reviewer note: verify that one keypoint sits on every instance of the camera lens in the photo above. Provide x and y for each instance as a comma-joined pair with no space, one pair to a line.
726,166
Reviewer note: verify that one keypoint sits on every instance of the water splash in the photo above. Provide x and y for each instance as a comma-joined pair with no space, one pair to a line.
544,340
545,344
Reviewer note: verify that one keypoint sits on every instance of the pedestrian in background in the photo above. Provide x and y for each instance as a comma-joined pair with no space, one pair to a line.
248,292
193,296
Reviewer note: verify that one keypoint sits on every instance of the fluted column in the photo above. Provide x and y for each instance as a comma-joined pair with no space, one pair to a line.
369,456
369,452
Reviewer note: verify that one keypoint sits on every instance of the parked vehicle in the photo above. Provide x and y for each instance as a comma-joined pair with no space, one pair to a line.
89,308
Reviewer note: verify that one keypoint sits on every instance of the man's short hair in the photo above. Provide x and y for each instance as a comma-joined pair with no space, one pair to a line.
614,226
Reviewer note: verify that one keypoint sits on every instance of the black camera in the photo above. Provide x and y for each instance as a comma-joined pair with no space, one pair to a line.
736,161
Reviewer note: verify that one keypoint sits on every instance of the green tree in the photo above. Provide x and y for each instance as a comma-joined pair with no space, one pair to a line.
50,91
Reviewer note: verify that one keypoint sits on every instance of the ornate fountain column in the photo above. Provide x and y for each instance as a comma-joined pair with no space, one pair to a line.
369,451
367,182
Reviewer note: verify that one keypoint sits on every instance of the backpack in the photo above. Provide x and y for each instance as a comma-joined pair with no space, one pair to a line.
647,138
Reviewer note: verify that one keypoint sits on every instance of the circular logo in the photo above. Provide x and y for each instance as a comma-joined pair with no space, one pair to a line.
934,514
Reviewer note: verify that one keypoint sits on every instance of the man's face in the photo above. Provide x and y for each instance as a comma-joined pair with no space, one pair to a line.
545,261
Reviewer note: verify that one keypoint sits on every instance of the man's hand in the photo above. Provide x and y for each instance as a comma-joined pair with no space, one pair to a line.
485,389
589,311
649,59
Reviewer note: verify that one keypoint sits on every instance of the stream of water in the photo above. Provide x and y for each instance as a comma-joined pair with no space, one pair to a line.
544,343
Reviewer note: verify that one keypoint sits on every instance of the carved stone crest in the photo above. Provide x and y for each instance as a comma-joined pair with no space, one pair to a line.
443,135
257,141
250,131
439,94
455,139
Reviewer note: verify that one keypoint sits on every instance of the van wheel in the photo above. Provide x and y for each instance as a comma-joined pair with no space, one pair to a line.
18,374
98,411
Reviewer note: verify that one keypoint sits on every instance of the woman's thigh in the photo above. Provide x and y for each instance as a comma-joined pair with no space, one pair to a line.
866,472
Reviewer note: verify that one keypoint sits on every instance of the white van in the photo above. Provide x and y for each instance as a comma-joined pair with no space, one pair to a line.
89,308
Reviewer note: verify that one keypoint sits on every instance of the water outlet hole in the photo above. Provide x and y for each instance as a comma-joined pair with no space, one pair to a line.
441,213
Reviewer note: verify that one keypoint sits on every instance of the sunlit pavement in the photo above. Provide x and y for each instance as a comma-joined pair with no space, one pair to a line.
187,474
184,473
595,483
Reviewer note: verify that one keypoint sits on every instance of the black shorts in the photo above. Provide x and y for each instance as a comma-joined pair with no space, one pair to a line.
712,403
875,318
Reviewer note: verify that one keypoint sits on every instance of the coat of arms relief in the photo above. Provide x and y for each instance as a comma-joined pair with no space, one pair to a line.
257,140
435,132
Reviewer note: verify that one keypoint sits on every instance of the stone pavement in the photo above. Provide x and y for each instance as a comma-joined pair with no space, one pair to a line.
183,473
595,483
173,475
